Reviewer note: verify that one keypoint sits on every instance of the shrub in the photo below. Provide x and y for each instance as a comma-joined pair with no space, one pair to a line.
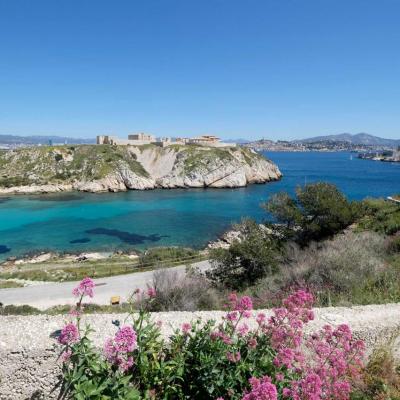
381,377
18,310
380,216
175,291
245,357
393,245
319,209
332,269
247,260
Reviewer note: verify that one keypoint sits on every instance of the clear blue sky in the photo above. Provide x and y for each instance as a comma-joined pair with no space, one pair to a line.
268,68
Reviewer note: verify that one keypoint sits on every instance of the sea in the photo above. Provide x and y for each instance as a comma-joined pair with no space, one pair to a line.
79,222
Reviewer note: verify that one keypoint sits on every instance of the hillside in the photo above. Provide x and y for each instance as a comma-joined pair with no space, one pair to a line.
357,139
97,168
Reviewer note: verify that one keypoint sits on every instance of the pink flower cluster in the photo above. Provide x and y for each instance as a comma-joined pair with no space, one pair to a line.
285,328
334,358
261,389
85,288
117,351
233,357
242,305
69,334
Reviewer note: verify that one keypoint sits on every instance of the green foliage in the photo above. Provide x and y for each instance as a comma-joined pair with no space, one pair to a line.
10,284
381,377
394,245
380,215
202,370
161,254
284,209
201,157
61,164
89,376
248,259
319,210
18,310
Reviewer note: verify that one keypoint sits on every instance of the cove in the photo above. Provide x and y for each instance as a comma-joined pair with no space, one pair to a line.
140,219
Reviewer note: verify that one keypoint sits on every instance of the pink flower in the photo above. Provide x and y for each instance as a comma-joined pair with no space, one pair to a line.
125,339
279,377
243,330
66,355
117,350
232,316
233,357
69,334
151,292
85,288
186,328
261,389
284,357
261,318
245,303
252,343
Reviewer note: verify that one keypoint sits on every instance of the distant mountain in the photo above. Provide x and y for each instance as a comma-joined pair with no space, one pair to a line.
357,139
15,140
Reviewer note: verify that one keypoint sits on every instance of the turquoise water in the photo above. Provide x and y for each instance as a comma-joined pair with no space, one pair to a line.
140,219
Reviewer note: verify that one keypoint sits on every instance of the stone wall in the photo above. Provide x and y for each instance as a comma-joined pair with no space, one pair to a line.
29,368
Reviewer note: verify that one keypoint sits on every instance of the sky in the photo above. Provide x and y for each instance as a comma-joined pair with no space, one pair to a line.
278,69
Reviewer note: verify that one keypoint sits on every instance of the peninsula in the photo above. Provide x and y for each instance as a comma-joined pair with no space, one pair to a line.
105,167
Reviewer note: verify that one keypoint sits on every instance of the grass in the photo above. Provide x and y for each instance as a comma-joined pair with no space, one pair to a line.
70,271
63,310
201,157
10,284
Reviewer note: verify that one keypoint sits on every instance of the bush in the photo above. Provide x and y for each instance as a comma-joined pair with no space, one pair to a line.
381,377
245,357
348,269
248,259
320,210
380,216
18,310
394,245
182,292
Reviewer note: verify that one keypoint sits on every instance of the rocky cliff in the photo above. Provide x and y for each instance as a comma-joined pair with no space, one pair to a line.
97,168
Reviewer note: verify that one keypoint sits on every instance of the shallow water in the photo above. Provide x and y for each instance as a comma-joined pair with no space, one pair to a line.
140,219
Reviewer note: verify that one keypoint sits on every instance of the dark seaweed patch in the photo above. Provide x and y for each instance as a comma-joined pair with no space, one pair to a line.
57,197
82,240
127,237
4,249
4,199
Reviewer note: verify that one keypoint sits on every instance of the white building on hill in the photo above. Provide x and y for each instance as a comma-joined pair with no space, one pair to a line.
139,139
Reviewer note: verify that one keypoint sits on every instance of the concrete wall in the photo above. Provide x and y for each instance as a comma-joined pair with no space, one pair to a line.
29,368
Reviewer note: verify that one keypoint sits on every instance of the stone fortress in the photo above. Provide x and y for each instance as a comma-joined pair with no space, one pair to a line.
139,139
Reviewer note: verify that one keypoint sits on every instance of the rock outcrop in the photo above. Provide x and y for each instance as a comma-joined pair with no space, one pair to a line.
118,168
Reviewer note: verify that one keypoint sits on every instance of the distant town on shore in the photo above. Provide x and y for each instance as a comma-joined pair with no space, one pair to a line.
368,146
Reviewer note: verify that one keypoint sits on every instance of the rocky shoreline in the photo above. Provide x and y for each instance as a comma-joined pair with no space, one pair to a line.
120,168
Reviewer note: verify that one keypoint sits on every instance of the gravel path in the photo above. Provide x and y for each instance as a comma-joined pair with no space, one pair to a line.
29,367
34,331
43,296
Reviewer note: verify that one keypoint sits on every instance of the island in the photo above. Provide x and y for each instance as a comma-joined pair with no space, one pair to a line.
120,167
